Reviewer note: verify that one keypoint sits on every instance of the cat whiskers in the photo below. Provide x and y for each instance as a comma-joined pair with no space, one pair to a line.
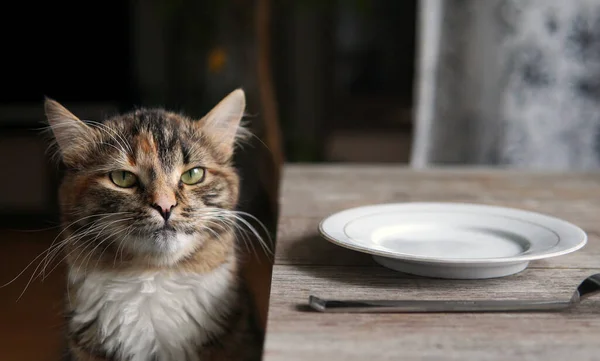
35,230
109,237
121,244
49,253
210,221
235,219
85,244
238,215
89,228
231,223
92,241
113,238
45,252
103,215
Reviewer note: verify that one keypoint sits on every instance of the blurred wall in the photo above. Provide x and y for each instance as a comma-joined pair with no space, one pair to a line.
509,83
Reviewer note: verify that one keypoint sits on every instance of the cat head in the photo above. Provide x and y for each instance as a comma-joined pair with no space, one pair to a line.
151,184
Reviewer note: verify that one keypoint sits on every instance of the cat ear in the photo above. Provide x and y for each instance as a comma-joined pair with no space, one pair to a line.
68,130
222,123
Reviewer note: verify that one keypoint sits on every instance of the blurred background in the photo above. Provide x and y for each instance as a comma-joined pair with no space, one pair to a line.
495,83
341,74
325,81
419,83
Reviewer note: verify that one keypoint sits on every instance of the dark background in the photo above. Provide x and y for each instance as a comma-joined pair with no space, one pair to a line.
342,73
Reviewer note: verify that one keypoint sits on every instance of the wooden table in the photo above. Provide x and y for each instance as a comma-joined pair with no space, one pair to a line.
305,263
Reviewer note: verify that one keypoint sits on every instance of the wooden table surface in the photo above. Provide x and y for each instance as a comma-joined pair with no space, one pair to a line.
307,264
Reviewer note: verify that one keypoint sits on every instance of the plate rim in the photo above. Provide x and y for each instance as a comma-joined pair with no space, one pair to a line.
581,242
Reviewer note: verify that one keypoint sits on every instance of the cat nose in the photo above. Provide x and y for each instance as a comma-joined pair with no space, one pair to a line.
164,204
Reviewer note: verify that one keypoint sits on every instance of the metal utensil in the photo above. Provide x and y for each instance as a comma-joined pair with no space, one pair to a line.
588,287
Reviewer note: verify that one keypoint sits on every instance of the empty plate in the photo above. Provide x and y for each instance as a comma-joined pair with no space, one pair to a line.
452,240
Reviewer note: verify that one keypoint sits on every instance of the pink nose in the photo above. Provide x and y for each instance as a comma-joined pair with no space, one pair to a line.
164,203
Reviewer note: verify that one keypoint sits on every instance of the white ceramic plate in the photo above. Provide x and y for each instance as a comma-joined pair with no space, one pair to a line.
452,240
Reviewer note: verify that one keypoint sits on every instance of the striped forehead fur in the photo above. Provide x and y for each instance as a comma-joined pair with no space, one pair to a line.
157,146
153,265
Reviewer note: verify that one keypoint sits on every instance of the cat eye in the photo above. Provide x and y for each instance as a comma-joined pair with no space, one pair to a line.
123,178
193,176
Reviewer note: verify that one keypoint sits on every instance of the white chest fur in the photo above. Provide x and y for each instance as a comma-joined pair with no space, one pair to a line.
168,315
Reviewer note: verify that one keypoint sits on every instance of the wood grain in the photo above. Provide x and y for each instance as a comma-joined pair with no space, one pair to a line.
307,264
295,333
317,191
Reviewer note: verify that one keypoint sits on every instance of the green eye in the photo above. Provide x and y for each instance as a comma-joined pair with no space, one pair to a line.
193,176
123,178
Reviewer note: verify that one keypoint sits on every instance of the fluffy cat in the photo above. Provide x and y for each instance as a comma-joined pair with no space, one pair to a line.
148,203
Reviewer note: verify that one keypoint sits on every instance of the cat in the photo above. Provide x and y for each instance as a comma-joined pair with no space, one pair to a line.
148,204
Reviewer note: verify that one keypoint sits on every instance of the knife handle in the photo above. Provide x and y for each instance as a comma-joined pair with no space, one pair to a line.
429,306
